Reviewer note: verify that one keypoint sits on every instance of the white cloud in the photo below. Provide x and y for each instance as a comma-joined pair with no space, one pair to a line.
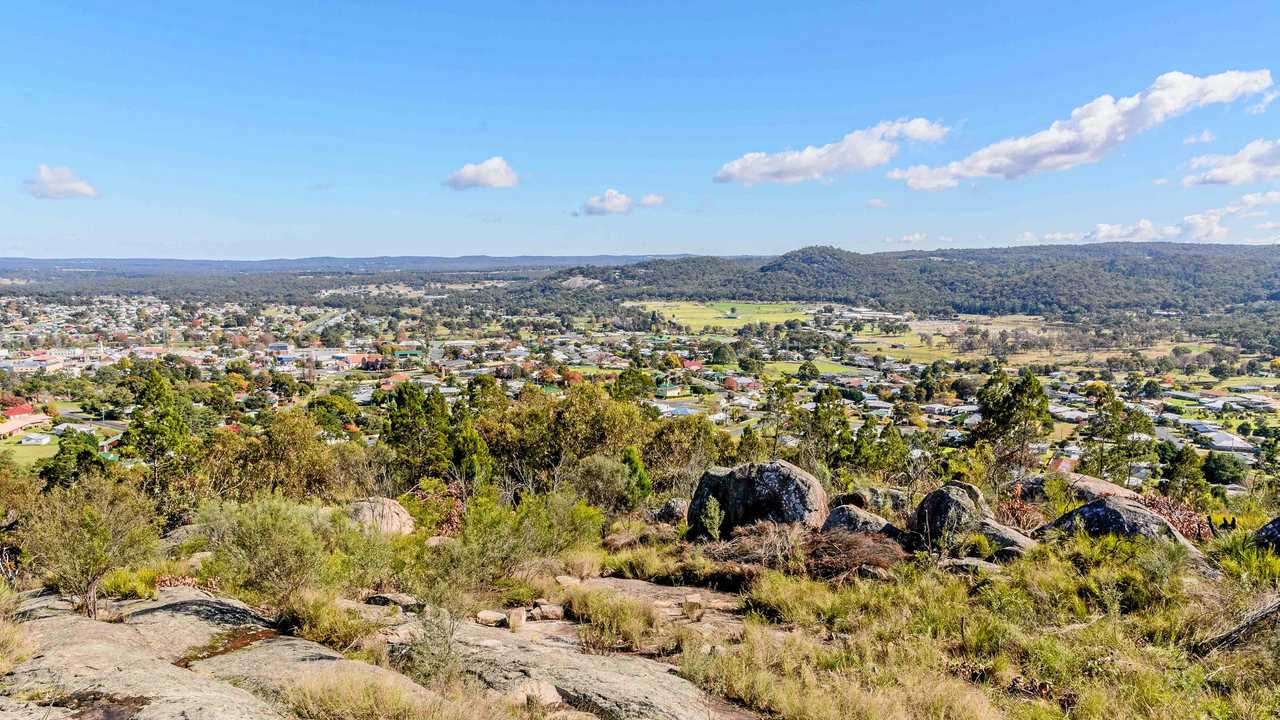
859,150
492,173
1261,106
916,238
1206,226
1141,231
1267,226
612,202
1160,181
1259,161
1091,131
58,183
877,203
1204,136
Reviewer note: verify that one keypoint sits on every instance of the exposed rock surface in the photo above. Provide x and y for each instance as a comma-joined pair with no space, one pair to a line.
875,499
969,566
957,509
1268,535
277,663
183,656
950,511
102,670
1083,487
1114,515
854,519
776,491
619,687
1006,538
673,511
381,515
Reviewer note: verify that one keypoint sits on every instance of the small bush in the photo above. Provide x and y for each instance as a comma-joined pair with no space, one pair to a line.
712,518
266,549
85,531
318,618
613,622
1242,560
128,584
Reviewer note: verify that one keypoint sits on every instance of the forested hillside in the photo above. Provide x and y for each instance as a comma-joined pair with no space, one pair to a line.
1056,279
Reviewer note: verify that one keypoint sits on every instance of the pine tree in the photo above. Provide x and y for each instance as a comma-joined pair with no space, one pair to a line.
638,486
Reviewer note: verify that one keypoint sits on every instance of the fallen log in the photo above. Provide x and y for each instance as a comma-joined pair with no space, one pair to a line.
1249,623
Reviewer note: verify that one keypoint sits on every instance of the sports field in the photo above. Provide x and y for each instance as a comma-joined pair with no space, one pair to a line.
727,315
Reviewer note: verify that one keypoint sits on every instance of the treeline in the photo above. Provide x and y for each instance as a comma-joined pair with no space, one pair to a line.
1050,280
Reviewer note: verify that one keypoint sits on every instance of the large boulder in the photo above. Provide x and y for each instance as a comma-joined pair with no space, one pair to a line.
1084,487
776,491
950,512
1010,542
1125,517
1268,536
852,518
673,511
947,515
875,499
381,515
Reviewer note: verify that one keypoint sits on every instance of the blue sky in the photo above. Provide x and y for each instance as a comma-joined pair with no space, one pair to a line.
252,130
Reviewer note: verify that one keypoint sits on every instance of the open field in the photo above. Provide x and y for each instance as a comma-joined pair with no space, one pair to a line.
824,366
27,455
719,314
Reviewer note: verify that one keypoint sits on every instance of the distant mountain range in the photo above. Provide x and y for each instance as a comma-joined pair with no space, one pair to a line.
1044,279
389,263
1052,279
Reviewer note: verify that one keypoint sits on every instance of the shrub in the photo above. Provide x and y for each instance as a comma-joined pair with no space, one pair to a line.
712,518
1241,559
126,583
87,530
317,617
601,481
266,548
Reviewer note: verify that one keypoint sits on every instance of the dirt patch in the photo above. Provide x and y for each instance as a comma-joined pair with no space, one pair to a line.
94,705
226,642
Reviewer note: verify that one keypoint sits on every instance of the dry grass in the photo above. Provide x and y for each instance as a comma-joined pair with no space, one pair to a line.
1088,629
796,678
613,622
352,698
15,646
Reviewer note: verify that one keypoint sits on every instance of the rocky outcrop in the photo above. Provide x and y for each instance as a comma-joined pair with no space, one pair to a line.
951,511
185,655
875,499
852,518
1268,536
108,670
1083,487
673,511
776,491
957,509
381,515
1120,516
620,687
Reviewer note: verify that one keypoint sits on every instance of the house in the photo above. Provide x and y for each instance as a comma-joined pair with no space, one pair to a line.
35,439
14,411
1226,442
670,391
